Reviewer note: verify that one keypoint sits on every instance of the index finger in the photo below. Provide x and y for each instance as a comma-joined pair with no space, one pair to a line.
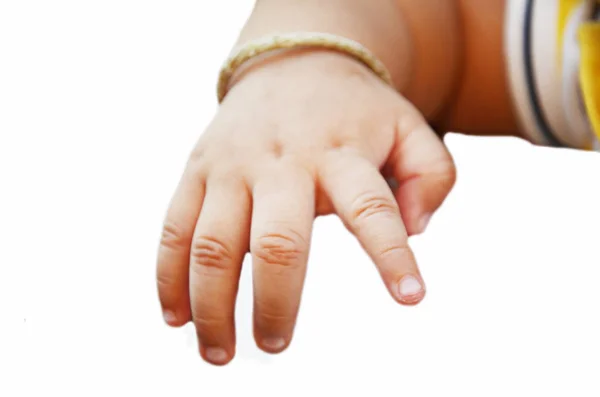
365,203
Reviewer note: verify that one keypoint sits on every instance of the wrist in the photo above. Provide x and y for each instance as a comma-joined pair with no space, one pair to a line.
418,42
290,44
298,64
380,29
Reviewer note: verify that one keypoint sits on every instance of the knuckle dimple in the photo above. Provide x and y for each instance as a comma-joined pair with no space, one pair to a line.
277,149
369,204
280,248
197,156
200,155
335,142
210,253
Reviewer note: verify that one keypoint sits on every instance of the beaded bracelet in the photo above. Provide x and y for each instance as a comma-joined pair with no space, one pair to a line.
274,42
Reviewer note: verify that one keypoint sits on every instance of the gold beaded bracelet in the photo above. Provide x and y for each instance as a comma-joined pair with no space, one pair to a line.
274,42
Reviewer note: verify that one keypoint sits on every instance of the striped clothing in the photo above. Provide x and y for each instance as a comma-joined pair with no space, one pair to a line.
553,59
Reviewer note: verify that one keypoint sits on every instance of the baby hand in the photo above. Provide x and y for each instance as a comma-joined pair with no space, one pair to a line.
308,134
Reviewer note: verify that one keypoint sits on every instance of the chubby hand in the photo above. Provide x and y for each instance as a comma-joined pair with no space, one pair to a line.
308,134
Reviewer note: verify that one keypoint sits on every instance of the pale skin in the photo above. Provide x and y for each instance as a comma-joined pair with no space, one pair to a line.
312,132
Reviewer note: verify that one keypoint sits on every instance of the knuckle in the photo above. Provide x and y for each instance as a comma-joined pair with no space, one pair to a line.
165,280
285,248
197,157
173,236
200,154
443,174
210,254
197,168
275,320
206,320
272,316
396,252
447,169
209,324
411,122
370,204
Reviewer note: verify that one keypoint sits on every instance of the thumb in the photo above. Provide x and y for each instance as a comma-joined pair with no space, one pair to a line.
423,170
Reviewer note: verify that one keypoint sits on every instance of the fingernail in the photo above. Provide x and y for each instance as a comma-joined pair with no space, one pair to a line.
216,355
273,344
409,288
424,222
169,317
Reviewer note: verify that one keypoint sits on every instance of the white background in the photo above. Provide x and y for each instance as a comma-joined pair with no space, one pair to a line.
100,104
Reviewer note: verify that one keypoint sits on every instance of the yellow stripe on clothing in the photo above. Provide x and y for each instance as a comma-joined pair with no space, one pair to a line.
589,40
565,8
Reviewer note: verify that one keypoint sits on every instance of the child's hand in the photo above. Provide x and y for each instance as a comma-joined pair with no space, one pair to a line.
301,136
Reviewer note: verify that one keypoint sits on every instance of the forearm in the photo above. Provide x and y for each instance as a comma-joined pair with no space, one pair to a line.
482,104
417,41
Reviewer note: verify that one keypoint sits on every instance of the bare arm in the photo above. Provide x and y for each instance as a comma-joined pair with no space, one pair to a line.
446,57
417,41
481,104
